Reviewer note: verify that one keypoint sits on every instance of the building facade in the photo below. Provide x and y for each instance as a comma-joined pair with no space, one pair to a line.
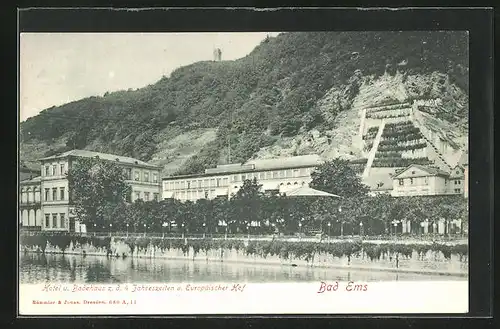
418,180
56,209
30,211
279,175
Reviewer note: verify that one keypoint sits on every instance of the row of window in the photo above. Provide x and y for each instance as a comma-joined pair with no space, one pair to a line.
146,177
55,170
30,196
195,195
55,220
423,181
414,181
147,196
53,195
224,181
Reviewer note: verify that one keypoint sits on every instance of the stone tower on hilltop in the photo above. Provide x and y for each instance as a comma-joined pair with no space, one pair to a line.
217,55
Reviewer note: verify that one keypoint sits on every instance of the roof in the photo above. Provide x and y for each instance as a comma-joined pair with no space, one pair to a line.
35,180
430,170
307,191
286,162
104,156
460,174
229,168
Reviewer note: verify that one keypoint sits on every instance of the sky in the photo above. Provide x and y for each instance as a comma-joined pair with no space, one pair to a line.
57,68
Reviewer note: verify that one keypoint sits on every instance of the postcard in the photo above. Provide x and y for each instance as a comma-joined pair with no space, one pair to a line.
243,173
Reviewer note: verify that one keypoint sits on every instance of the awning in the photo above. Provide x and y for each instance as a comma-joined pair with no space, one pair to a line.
307,191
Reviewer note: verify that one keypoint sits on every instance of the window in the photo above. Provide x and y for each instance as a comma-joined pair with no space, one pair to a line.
275,174
54,193
47,193
457,190
268,175
128,197
146,196
303,172
411,181
413,173
137,195
289,173
128,173
176,185
62,194
218,182
137,176
225,181
47,220
28,192
426,180
62,169
155,178
212,182
63,220
171,185
262,175
282,173
206,182
295,173
54,170
54,220
146,176
243,177
47,171
155,196
401,182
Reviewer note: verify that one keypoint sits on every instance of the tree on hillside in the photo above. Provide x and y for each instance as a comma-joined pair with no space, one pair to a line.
94,185
337,177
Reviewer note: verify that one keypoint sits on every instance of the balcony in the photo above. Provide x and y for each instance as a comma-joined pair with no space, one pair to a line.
29,203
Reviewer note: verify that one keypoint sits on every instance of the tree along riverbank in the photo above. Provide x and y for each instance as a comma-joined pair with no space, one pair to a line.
431,257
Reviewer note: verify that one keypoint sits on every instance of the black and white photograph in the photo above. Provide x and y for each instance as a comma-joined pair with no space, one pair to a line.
205,163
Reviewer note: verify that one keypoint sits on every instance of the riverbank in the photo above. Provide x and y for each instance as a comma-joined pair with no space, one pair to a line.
422,258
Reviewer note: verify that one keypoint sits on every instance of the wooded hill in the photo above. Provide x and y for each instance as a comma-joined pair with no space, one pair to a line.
251,102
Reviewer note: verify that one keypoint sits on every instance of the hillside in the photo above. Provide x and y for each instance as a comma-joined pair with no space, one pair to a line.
297,93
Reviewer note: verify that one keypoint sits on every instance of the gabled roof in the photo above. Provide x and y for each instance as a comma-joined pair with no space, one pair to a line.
430,170
454,174
103,156
286,162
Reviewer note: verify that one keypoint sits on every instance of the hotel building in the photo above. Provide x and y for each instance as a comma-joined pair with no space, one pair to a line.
56,211
279,175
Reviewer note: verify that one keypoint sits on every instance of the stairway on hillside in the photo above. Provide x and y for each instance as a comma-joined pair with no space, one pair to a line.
373,151
439,154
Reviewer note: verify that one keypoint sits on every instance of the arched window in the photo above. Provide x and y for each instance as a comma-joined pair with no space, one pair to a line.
28,194
288,183
303,183
296,183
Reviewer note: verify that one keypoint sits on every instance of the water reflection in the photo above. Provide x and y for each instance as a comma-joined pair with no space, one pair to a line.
37,268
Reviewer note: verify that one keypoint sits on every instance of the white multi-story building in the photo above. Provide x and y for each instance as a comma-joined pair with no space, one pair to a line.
56,197
280,175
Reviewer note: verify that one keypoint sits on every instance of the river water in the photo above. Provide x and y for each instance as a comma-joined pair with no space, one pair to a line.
39,268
